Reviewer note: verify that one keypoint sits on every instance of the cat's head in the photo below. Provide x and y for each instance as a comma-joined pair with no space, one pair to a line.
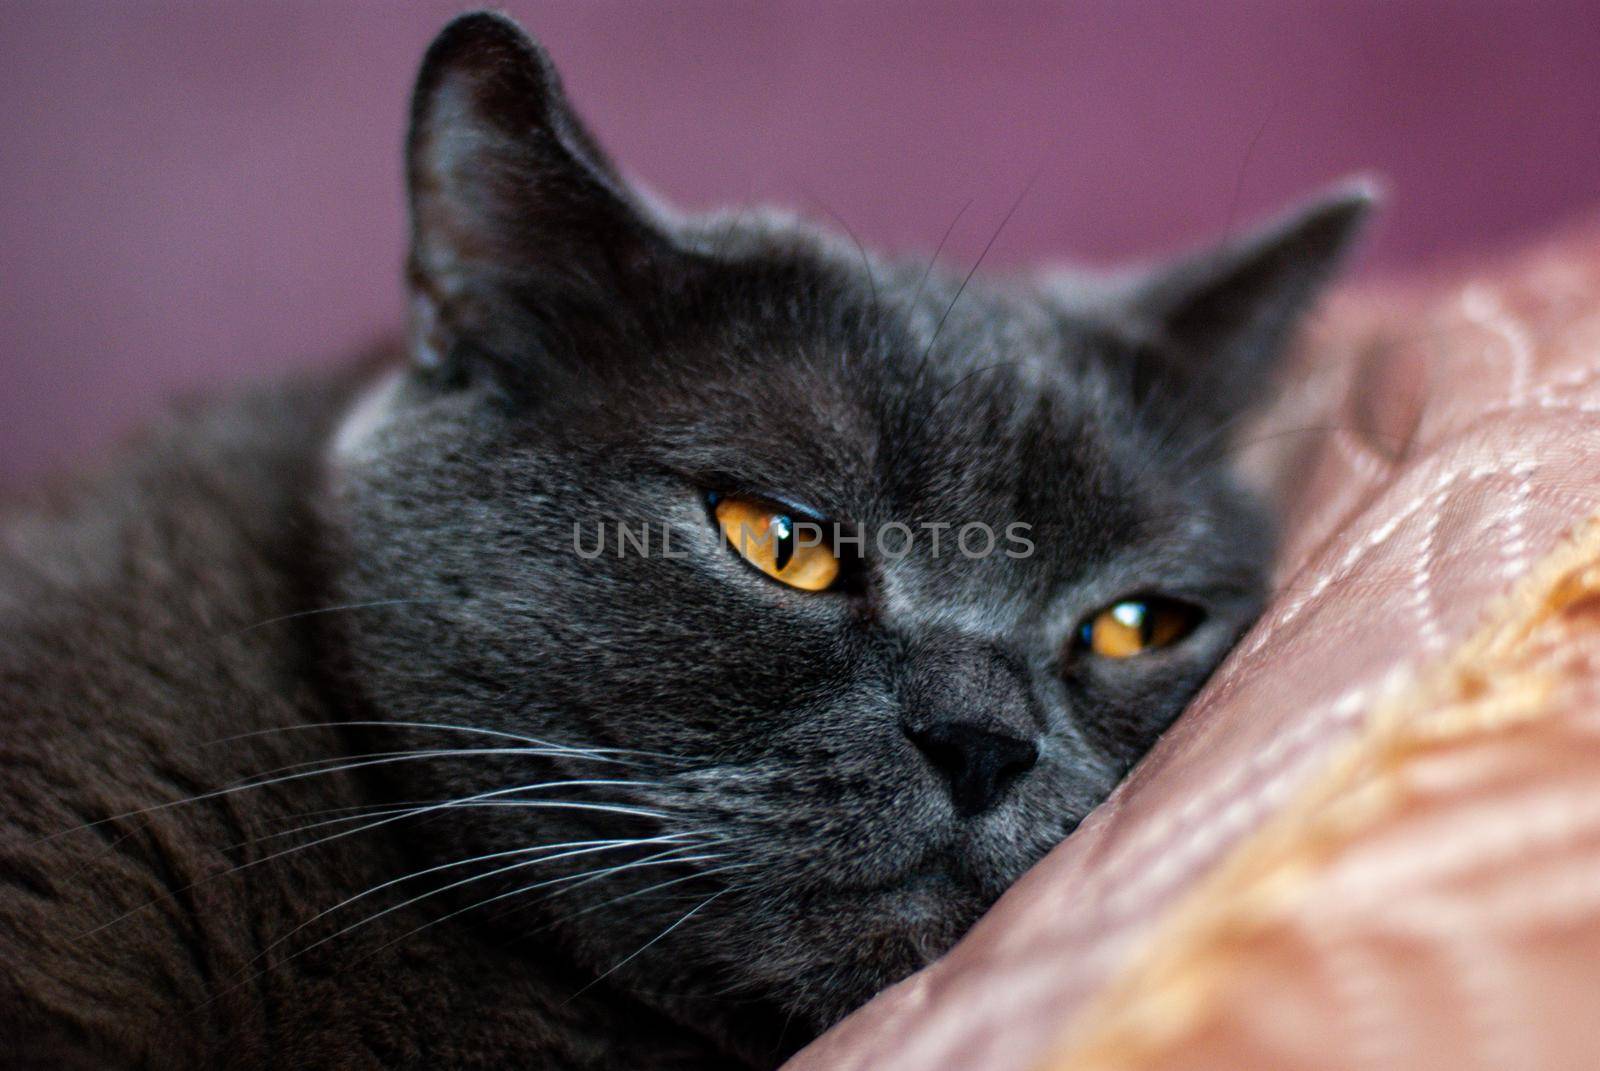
834,757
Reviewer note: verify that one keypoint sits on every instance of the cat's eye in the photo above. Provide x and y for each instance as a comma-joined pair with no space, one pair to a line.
786,546
1136,626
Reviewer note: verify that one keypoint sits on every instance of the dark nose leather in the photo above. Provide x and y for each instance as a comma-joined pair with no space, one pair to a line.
969,712
978,764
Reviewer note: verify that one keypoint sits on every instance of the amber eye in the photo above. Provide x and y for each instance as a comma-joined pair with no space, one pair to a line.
790,548
1134,626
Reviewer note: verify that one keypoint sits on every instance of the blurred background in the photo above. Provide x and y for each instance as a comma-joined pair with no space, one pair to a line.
198,194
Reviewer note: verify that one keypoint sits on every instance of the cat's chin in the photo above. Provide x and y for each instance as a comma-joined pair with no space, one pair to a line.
895,931
821,961
930,908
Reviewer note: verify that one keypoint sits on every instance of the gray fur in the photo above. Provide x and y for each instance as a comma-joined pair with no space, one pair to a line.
578,357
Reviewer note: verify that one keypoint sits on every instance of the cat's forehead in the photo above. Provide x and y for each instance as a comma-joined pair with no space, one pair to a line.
873,383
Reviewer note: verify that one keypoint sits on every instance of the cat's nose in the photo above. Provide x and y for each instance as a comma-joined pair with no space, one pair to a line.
979,764
968,709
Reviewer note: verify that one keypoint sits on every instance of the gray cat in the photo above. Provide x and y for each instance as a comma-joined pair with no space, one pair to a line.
699,629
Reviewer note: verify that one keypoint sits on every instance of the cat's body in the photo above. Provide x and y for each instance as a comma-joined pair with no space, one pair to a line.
147,619
621,809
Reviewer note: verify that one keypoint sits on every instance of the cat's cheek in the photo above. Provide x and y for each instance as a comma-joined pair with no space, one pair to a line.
356,440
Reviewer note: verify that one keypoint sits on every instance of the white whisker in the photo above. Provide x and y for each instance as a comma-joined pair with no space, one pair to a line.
575,880
231,789
654,888
691,913
445,805
577,848
329,610
445,727
379,757
465,881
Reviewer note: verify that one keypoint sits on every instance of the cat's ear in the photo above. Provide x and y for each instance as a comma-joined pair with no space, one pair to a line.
1219,321
524,239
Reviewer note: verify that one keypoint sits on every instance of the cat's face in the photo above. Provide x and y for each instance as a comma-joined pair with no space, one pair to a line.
834,770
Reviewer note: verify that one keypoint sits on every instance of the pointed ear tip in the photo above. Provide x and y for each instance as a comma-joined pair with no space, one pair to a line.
1332,220
484,48
475,31
1348,203
1367,187
482,25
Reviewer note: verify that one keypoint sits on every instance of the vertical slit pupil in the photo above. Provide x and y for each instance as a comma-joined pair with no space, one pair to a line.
783,529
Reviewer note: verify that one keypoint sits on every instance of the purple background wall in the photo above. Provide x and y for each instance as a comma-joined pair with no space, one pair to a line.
195,194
